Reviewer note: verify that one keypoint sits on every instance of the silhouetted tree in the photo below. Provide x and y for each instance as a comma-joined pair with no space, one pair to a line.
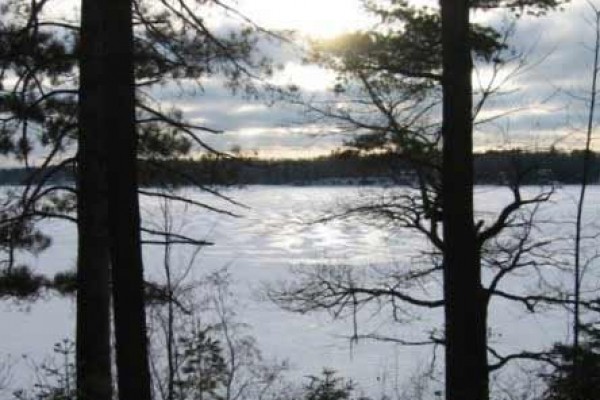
388,93
41,54
93,348
116,124
575,374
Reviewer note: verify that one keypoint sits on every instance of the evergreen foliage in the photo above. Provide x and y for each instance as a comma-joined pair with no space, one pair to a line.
576,375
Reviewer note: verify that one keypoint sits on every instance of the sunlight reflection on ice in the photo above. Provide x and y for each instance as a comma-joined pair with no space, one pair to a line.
274,234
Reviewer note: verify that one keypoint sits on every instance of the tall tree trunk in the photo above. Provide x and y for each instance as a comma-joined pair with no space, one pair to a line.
585,177
465,310
124,218
93,273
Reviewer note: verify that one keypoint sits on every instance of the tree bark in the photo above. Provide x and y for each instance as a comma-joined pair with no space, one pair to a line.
465,304
124,218
94,379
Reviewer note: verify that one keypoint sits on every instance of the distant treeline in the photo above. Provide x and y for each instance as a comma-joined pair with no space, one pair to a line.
495,167
343,167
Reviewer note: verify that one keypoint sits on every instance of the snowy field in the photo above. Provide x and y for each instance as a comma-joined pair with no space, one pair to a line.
260,247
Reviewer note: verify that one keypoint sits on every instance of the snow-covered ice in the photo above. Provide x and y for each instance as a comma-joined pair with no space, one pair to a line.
259,247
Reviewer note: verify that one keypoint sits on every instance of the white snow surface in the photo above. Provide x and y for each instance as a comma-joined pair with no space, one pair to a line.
272,235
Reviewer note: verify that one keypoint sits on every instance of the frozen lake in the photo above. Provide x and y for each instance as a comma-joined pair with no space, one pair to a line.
273,235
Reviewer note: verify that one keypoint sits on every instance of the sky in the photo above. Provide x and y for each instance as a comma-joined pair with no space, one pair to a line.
543,104
279,130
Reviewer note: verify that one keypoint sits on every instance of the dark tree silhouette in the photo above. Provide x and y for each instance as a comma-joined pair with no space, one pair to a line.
94,376
42,53
402,92
465,332
465,298
576,370
117,124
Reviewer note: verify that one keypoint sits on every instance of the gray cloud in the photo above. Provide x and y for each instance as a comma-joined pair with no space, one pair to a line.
541,102
549,99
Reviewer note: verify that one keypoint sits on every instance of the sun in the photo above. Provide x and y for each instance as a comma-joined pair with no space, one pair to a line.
314,18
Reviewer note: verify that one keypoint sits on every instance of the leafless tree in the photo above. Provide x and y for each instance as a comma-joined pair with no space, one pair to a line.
41,55
199,349
395,111
579,267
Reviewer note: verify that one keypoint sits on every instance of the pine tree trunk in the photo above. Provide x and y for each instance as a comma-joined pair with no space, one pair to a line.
124,218
93,274
465,310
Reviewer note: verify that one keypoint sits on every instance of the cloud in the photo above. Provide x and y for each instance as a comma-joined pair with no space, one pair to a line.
541,105
305,141
546,103
253,123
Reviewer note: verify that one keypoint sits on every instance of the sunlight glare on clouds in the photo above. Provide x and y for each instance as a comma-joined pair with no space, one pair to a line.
307,77
61,10
316,18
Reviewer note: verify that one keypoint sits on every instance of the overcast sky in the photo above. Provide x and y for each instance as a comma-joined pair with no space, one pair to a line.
277,130
543,102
